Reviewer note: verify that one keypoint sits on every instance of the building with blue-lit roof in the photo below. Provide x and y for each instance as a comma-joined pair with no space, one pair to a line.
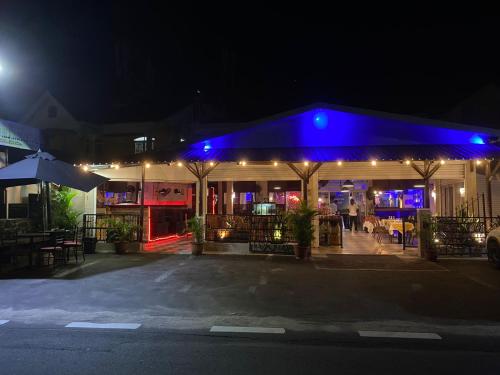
323,153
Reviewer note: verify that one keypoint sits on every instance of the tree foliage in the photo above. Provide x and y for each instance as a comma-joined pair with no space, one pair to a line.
63,214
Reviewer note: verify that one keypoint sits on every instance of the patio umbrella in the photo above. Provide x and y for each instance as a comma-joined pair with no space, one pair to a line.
44,167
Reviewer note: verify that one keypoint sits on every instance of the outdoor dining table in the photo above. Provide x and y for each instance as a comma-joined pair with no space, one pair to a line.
43,235
397,225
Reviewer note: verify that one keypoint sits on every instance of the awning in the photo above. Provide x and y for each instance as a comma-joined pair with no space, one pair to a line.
325,154
43,166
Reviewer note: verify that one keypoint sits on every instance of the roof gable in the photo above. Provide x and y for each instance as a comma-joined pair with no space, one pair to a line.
334,126
37,115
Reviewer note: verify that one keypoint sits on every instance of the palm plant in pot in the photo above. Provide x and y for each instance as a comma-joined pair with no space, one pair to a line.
195,225
120,232
301,225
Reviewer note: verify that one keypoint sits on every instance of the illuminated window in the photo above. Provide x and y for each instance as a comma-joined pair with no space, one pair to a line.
141,144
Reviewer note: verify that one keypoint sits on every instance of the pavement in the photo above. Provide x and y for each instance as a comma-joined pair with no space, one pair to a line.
241,314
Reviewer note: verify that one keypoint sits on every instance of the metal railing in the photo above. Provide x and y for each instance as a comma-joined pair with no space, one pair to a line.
330,230
270,234
96,225
462,235
227,228
264,233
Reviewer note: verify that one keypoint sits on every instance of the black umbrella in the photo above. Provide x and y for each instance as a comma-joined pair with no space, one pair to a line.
44,167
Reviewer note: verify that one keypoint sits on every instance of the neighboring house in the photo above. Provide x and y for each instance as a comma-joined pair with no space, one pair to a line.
81,142
63,135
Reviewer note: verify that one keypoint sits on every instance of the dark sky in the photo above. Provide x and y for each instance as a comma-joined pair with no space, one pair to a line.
109,61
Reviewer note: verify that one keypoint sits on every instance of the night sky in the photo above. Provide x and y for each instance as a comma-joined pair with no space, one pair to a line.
109,62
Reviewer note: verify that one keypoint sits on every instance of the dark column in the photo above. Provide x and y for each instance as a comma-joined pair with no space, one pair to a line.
47,197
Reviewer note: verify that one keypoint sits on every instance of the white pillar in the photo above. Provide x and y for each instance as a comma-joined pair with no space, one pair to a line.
263,193
229,197
437,189
470,184
423,215
204,190
220,197
312,200
197,205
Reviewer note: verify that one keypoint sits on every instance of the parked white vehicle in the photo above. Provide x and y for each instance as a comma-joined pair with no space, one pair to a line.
493,247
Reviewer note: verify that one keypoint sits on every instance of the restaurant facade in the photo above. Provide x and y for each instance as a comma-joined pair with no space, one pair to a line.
391,165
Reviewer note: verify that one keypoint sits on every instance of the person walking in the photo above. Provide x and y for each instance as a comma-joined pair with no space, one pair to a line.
353,215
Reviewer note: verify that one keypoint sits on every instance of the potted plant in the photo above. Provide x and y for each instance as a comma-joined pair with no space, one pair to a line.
63,214
300,222
195,225
120,233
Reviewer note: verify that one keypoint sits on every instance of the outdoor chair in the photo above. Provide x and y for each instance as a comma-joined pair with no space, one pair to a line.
55,250
411,235
75,242
380,231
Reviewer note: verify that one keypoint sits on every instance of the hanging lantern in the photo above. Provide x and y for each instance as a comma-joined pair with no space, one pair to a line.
348,184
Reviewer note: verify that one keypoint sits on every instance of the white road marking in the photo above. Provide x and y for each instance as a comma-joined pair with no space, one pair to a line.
164,276
234,329
401,335
73,270
4,322
103,325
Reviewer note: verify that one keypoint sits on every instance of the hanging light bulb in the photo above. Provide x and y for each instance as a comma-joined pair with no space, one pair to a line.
348,184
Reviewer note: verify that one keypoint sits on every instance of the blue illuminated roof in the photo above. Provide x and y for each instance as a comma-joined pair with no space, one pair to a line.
326,132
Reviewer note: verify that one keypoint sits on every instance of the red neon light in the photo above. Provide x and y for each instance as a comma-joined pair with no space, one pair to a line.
154,244
152,202
169,237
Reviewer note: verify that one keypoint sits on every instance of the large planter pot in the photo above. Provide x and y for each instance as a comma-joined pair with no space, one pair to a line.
89,245
121,247
302,252
197,248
